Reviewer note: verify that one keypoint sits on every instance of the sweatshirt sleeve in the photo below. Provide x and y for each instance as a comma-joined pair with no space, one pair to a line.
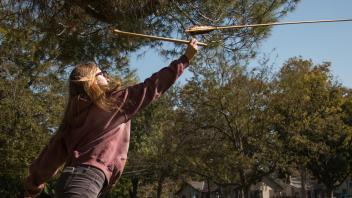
45,166
140,95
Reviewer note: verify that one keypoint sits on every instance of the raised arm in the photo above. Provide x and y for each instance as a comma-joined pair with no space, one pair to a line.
140,95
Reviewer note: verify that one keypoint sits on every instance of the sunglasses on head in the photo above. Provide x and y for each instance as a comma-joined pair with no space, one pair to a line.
103,73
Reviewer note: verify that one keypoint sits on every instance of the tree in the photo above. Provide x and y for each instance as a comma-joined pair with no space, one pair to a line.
154,159
81,30
232,143
29,115
27,120
311,110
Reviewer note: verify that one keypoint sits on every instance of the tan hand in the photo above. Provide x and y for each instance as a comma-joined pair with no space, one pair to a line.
192,49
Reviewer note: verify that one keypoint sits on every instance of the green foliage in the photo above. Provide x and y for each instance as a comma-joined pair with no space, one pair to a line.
311,111
81,30
25,122
230,141
120,190
154,158
10,186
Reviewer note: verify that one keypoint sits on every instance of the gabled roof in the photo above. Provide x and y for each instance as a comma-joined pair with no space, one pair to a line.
275,184
203,186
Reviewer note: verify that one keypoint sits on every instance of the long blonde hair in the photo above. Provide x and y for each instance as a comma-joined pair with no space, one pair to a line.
83,85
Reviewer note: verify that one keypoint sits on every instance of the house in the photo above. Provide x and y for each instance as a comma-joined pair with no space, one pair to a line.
345,190
267,188
198,189
314,189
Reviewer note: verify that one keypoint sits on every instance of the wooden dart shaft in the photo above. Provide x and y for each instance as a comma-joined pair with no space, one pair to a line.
207,29
156,37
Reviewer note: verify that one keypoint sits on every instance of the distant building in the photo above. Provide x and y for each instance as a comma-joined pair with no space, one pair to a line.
345,190
267,188
198,189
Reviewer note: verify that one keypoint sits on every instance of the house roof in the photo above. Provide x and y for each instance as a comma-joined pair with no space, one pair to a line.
203,186
275,184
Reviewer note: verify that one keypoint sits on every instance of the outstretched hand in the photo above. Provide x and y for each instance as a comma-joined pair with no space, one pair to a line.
192,49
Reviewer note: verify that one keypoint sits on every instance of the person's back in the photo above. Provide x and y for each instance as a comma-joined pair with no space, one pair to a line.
93,138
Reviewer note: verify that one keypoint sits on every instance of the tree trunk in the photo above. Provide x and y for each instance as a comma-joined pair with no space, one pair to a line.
329,193
303,182
133,192
208,189
245,192
245,188
160,186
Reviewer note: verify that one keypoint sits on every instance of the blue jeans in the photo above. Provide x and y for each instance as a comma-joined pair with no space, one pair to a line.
81,181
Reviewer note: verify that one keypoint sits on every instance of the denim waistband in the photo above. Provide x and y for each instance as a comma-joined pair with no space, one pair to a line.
82,167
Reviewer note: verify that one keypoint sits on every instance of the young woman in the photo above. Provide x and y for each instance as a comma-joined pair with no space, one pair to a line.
92,141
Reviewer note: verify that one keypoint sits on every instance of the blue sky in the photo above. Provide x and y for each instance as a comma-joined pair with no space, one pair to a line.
319,42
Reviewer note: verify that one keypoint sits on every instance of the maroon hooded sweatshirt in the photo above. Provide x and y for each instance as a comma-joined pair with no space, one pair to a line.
102,140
